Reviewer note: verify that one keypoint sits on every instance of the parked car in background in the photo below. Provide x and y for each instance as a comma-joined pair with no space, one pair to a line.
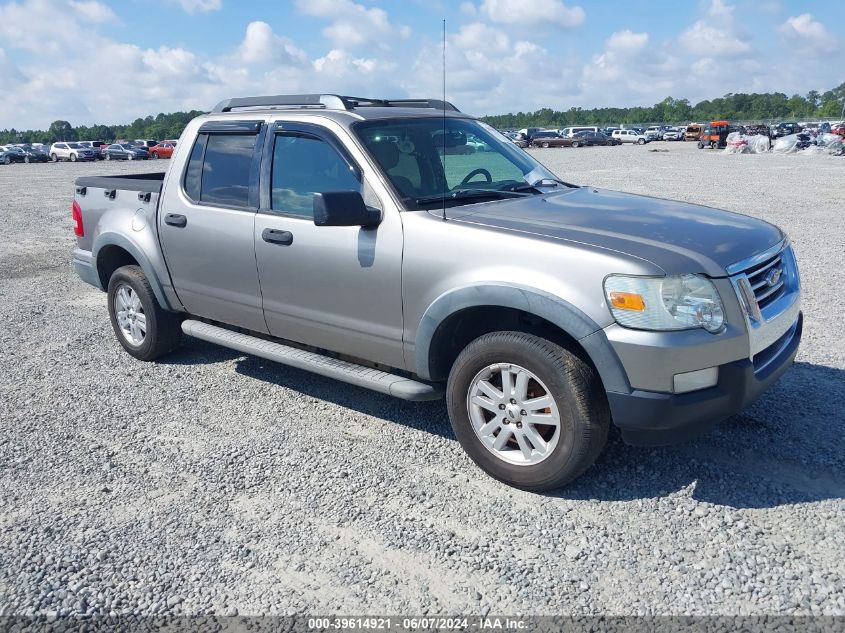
95,146
528,132
146,144
572,131
517,139
785,129
551,139
672,134
608,131
654,132
125,151
588,139
20,154
693,132
630,136
162,150
838,129
71,151
8,155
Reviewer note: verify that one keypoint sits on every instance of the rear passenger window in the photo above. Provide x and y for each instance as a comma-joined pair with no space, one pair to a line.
226,169
302,166
219,169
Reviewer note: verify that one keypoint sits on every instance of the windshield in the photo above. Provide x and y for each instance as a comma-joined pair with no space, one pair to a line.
472,157
128,146
74,145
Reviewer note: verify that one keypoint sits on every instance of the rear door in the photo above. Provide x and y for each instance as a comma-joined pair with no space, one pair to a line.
333,287
207,220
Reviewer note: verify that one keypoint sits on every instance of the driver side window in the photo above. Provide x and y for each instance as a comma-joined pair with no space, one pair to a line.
302,166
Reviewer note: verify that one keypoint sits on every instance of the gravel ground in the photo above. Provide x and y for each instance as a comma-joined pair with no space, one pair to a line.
217,483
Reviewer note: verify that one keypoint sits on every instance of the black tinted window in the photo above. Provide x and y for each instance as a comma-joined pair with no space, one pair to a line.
226,169
193,174
303,166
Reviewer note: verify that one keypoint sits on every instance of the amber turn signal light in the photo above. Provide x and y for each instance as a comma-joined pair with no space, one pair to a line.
627,301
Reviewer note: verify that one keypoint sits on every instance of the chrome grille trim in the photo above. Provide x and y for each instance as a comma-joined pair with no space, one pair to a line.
769,301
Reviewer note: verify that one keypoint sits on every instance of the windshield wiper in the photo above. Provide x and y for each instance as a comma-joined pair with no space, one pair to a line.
469,194
543,182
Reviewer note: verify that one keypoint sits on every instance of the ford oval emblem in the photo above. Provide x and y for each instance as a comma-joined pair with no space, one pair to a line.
773,276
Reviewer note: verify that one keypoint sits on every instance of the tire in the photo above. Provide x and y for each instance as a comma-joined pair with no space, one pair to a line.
163,331
577,399
54,158
7,160
108,157
26,159
130,156
546,145
154,156
73,158
640,141
576,144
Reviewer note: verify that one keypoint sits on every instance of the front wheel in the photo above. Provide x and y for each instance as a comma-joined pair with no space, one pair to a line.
529,412
546,145
575,144
108,157
130,157
153,155
54,158
141,325
641,141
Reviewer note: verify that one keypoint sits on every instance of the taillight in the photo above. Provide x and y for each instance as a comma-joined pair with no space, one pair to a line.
78,229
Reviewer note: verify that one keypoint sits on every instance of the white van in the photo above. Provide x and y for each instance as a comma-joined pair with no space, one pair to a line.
570,131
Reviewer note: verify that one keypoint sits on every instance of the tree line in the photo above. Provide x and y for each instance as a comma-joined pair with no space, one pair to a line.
163,126
733,106
775,106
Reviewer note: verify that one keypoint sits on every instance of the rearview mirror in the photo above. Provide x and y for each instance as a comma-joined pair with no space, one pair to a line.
452,139
344,208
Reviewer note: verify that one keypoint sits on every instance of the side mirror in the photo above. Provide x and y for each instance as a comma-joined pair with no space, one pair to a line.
344,208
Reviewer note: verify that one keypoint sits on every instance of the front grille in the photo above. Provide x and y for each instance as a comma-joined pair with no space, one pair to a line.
768,280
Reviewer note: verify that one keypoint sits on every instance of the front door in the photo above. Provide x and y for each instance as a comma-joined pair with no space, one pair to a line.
207,222
336,288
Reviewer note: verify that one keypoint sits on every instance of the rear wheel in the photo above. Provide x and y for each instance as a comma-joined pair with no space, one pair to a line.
26,159
640,141
575,144
546,145
73,158
153,155
142,327
527,411
54,158
108,156
130,156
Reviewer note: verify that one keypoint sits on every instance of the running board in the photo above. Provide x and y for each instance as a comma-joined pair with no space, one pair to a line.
366,377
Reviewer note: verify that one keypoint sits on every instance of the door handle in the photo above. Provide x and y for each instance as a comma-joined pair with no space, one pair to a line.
174,219
274,236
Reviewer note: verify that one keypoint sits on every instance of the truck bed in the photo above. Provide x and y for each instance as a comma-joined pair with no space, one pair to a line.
130,182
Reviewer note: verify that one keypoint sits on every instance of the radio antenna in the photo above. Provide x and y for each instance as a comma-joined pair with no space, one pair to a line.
445,182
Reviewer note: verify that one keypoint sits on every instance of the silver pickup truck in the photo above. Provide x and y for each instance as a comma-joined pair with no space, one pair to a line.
362,240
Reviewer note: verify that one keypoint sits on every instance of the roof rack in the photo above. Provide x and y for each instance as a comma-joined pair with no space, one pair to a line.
328,101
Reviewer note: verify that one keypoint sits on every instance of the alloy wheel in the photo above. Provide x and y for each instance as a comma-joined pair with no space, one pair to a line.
130,315
513,414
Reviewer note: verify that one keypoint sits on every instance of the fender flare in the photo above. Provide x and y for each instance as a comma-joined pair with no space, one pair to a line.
121,241
561,313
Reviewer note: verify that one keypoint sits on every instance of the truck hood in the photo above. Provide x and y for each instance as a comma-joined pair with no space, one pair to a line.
676,236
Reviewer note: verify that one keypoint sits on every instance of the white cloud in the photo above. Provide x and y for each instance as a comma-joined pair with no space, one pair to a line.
93,11
354,25
200,6
262,46
538,13
805,32
627,41
717,35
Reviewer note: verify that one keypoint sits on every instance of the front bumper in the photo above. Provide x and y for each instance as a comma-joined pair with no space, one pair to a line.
650,418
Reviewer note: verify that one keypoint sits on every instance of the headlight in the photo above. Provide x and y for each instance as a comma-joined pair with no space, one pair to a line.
680,302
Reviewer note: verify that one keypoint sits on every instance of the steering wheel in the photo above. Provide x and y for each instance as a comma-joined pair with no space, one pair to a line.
476,172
